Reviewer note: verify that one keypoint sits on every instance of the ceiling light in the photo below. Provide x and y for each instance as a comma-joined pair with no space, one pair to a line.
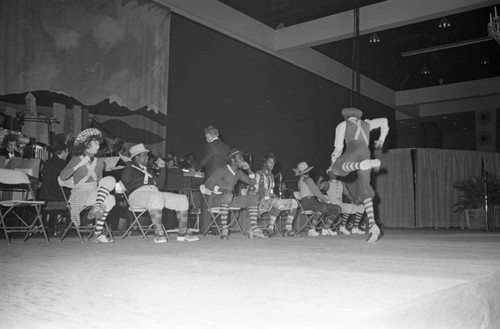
374,38
485,60
444,23
425,70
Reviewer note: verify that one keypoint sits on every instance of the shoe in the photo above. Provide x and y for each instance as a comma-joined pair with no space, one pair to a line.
289,234
374,234
255,233
328,232
269,232
187,237
312,232
357,230
343,230
369,164
101,238
160,237
224,234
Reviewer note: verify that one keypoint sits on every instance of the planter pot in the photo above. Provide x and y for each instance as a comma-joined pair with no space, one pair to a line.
476,219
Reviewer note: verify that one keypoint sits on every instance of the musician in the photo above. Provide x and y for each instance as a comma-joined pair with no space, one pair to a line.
142,185
268,201
90,188
222,183
10,146
215,152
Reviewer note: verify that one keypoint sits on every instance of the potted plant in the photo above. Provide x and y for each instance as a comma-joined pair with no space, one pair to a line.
472,196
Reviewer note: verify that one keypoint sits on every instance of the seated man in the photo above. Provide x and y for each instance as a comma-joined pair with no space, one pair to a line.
9,147
142,187
311,198
90,188
269,201
222,183
335,190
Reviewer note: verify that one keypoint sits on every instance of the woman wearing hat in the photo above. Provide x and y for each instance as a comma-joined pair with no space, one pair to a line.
356,134
142,186
311,198
90,188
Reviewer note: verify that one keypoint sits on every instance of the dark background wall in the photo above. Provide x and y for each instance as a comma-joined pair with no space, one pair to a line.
258,102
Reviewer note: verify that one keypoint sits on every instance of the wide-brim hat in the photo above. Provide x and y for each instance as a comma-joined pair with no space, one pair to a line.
349,112
302,168
233,152
86,134
137,149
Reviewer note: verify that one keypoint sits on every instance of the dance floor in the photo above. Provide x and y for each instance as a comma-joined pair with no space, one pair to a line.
409,279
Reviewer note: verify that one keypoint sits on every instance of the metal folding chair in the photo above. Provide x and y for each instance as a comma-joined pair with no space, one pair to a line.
137,212
18,195
215,213
264,217
71,225
308,214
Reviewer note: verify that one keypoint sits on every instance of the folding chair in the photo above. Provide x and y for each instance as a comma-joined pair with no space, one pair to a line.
71,225
308,214
215,213
137,212
17,194
264,217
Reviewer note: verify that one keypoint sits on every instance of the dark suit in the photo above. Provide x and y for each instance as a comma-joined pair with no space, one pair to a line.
214,156
5,153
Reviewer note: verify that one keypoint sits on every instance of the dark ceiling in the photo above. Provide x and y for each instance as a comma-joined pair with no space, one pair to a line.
471,56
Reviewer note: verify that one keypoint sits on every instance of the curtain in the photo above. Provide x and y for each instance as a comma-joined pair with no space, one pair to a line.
395,189
436,171
105,57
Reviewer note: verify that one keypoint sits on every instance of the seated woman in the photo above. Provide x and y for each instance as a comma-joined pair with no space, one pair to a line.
90,188
142,187
311,198
9,146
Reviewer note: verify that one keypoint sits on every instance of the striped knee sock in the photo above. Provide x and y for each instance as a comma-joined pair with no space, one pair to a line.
182,217
99,224
252,214
224,212
357,218
350,166
369,212
343,221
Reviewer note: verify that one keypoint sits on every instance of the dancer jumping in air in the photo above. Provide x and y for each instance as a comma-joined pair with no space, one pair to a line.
356,134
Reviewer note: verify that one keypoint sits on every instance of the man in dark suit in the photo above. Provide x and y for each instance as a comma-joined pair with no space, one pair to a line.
214,156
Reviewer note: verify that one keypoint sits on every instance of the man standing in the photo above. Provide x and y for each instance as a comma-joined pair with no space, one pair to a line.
214,156
356,134
222,182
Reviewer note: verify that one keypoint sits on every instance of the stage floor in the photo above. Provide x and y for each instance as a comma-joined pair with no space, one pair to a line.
409,279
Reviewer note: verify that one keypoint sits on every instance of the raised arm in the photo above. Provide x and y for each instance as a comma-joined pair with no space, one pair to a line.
383,124
315,190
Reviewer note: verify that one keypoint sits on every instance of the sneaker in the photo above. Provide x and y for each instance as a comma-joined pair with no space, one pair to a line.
187,237
357,230
101,238
328,232
160,237
224,235
312,232
289,234
374,234
343,230
255,233
369,164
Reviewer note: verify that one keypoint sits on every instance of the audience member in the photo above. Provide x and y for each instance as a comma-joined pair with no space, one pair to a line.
10,146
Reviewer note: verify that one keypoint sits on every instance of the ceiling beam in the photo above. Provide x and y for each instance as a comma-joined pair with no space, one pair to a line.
377,17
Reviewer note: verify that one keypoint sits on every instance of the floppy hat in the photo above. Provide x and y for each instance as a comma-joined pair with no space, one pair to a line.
86,134
302,168
233,152
137,149
349,112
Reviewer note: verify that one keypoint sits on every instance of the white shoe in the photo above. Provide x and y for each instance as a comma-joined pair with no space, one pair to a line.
373,234
344,231
101,238
369,164
312,232
356,230
328,232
